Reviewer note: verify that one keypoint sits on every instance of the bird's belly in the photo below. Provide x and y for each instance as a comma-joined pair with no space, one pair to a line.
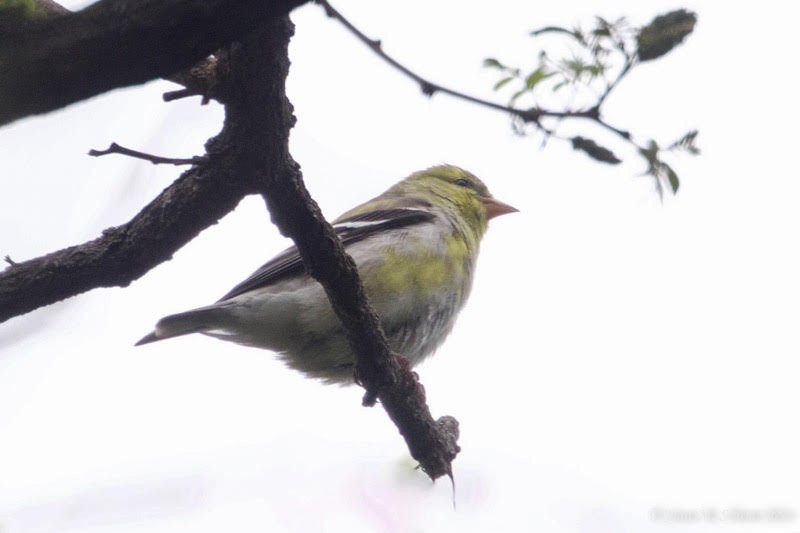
309,338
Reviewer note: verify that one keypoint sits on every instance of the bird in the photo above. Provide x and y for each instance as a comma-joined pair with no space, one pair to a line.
415,247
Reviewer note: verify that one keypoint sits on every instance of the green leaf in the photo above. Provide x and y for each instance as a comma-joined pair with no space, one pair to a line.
594,150
576,33
650,153
516,95
575,65
501,83
560,85
664,33
686,143
601,32
672,176
491,62
536,76
596,70
602,23
658,168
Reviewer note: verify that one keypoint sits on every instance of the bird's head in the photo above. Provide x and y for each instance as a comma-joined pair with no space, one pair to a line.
455,189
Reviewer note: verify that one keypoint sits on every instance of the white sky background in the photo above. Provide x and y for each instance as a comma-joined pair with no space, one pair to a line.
618,359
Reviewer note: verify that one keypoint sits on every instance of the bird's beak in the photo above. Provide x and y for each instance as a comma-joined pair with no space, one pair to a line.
495,208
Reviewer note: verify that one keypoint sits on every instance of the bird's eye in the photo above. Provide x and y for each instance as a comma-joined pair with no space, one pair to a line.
461,182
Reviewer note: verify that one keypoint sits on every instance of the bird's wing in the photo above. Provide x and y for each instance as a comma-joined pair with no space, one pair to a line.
350,230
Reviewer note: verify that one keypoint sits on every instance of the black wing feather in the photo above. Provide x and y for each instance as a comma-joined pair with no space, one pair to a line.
288,263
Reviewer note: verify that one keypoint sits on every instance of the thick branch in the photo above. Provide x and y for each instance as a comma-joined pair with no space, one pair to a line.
202,78
198,199
116,43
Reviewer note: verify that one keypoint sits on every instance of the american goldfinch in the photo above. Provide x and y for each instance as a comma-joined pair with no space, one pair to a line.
415,246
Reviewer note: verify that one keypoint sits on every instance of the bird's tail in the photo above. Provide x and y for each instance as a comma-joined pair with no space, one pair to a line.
193,321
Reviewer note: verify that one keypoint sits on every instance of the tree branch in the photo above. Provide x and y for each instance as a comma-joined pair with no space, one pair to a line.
54,62
115,148
198,199
429,88
199,79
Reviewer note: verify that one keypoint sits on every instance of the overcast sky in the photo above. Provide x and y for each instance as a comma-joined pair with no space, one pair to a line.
623,364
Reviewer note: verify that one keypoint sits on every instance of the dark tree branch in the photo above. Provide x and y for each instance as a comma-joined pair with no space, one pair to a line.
297,215
114,148
198,199
171,96
199,79
51,63
532,115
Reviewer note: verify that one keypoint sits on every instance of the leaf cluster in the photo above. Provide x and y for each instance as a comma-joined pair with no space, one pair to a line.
597,59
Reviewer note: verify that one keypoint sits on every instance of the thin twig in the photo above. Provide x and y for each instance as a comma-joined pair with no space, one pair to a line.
10,261
630,62
114,148
594,114
169,96
429,88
